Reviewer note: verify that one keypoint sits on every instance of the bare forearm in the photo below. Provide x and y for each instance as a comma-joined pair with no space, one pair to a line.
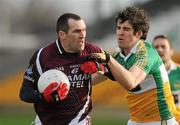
121,75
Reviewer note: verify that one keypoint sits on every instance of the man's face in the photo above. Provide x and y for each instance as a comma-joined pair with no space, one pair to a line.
163,48
125,35
74,39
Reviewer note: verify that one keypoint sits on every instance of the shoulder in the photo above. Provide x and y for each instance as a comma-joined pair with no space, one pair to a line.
177,64
49,47
146,53
176,67
145,48
48,50
142,49
150,48
45,52
175,70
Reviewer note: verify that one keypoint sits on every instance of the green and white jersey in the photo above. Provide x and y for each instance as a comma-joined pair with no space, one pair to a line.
174,78
151,100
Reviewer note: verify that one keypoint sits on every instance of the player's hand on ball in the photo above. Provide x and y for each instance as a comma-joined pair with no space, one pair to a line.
54,85
62,90
91,67
55,92
49,92
99,57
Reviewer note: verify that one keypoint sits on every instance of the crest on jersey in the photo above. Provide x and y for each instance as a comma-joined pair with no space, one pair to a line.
29,70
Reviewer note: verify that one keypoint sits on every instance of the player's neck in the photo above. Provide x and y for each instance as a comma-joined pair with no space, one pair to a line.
125,52
168,64
65,46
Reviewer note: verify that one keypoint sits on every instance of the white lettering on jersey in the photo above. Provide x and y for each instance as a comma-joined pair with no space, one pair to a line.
74,71
29,78
60,68
77,84
77,80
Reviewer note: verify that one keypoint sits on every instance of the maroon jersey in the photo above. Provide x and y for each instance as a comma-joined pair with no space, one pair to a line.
78,103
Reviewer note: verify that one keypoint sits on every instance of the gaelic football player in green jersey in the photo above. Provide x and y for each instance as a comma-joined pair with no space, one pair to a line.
137,66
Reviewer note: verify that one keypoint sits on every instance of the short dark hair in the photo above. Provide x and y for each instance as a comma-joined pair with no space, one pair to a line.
164,37
62,22
137,17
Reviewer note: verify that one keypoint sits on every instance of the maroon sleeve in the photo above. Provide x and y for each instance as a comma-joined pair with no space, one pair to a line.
29,92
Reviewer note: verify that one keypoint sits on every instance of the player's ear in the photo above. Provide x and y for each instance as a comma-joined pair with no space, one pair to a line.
61,34
139,34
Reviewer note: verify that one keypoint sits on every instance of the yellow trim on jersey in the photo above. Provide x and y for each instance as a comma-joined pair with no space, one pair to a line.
143,107
141,55
177,114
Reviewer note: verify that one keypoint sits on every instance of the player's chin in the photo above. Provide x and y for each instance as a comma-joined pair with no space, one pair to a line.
81,47
78,48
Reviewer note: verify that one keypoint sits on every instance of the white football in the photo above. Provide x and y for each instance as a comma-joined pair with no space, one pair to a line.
51,76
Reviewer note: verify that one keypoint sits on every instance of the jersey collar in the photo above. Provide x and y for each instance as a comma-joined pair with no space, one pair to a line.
61,49
173,66
58,46
133,50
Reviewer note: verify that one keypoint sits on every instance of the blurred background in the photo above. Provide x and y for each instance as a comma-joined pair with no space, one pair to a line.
27,25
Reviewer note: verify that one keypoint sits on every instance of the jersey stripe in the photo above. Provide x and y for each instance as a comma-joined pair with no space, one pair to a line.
141,56
76,119
161,89
58,47
38,62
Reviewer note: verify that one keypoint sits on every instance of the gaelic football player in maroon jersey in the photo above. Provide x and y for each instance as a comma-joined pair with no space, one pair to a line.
66,54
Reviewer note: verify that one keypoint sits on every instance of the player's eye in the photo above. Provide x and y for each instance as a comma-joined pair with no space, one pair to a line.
118,27
127,28
77,31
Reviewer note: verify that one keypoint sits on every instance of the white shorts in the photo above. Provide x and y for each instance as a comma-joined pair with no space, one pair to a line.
171,121
86,121
36,121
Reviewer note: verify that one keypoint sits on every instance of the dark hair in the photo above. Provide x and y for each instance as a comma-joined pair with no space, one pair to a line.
62,22
137,17
164,37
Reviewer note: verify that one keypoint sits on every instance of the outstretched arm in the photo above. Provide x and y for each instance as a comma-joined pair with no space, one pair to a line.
129,79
